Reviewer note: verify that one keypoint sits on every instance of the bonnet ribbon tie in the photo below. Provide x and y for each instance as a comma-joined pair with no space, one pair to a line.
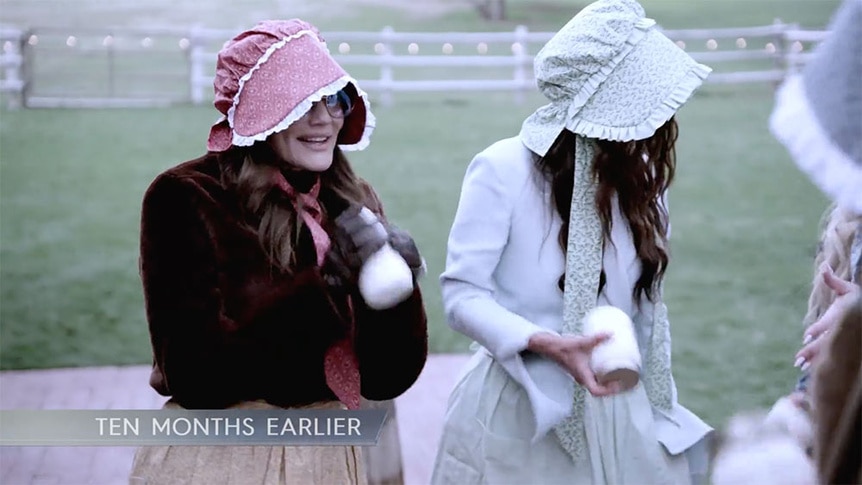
340,364
583,274
584,255
308,208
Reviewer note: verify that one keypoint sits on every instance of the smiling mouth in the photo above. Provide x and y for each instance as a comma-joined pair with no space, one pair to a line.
315,140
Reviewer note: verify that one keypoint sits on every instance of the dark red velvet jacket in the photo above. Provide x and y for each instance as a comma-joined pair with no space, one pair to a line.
228,326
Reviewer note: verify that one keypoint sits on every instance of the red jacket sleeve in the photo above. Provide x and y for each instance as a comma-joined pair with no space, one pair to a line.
392,344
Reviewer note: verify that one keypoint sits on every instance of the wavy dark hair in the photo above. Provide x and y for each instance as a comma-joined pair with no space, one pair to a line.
250,172
619,168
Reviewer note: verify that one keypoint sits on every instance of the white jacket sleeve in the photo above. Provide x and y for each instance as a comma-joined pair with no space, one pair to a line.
478,237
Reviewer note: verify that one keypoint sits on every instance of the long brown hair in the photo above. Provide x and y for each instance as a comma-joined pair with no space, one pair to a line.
619,168
250,172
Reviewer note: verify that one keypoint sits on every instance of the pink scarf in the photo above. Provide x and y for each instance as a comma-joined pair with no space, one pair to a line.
341,365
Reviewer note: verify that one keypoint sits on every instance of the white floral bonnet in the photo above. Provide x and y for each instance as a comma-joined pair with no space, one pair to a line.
609,74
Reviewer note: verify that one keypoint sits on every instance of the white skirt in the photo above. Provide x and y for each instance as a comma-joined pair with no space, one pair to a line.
489,424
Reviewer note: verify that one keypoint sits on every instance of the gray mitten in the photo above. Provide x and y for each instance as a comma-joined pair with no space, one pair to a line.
358,235
403,243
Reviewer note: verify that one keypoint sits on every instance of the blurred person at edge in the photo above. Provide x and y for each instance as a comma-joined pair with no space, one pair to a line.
250,257
818,117
817,430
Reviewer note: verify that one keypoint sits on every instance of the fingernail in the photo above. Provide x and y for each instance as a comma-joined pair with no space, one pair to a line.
799,361
805,366
808,338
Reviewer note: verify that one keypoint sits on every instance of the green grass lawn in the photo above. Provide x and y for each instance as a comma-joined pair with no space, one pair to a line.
744,221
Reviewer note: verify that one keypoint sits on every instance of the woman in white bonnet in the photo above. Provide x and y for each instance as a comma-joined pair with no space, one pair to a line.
569,215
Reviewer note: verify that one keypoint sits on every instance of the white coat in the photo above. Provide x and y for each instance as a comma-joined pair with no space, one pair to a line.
500,288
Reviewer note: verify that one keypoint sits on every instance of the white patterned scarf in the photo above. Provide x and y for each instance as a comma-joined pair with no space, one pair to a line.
583,270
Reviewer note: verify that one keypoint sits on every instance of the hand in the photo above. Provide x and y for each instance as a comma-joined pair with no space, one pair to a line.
846,294
403,243
573,354
358,235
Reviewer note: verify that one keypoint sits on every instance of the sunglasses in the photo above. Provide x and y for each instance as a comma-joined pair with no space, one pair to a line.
338,105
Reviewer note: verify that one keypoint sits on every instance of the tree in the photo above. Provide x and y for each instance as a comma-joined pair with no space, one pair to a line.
492,9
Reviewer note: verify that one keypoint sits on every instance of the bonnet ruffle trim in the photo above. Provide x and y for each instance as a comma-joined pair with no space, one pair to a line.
794,123
669,106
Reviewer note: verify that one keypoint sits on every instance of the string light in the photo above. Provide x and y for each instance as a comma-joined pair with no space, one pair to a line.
447,48
482,48
413,48
344,48
740,42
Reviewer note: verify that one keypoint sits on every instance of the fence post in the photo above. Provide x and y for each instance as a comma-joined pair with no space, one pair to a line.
521,54
111,65
26,50
13,61
780,59
196,70
386,76
791,62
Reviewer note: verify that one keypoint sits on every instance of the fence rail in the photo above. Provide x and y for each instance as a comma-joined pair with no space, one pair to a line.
36,71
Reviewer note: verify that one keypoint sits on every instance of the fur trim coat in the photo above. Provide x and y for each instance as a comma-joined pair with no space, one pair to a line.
228,326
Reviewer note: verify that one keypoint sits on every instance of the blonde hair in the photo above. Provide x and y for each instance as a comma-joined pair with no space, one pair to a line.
839,228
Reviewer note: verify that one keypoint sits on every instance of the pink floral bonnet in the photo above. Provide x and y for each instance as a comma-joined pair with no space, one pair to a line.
269,76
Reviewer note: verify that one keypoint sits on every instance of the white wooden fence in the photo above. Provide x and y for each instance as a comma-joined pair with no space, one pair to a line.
12,66
504,60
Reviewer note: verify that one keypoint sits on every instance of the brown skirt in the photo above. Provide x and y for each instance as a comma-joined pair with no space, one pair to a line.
249,465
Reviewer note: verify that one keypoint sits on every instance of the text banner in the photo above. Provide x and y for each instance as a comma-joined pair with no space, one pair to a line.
289,427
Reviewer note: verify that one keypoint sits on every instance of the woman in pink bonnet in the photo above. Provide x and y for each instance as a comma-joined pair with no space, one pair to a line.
250,257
